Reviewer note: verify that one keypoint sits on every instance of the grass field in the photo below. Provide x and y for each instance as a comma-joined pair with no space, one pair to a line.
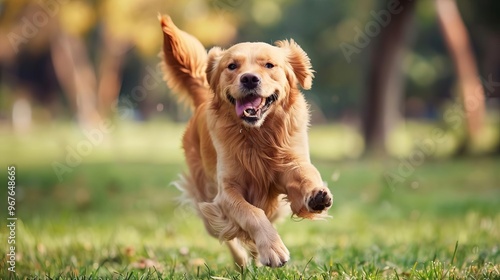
115,216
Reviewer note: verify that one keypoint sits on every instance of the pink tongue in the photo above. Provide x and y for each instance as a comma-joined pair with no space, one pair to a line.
249,102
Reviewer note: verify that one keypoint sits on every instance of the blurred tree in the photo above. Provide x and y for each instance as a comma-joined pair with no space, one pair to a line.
70,57
385,82
26,69
93,90
79,57
471,89
88,42
484,25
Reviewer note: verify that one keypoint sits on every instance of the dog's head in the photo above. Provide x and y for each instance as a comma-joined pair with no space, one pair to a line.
256,78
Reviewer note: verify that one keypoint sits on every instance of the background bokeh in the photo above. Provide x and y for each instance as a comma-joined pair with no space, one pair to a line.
80,62
405,117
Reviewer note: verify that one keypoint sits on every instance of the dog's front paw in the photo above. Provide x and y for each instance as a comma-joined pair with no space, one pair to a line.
319,200
274,253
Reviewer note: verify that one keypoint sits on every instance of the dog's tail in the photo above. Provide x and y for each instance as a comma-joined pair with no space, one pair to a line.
184,60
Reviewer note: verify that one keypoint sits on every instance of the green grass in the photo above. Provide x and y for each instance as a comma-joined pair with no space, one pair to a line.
115,216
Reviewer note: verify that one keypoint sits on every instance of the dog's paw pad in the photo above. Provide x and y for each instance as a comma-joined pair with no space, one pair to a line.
320,201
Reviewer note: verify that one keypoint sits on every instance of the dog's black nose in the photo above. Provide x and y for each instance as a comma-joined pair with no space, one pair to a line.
250,81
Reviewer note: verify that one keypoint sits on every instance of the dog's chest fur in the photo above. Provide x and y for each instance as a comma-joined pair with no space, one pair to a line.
255,158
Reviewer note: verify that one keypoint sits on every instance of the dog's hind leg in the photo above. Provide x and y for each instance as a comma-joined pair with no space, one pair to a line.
239,253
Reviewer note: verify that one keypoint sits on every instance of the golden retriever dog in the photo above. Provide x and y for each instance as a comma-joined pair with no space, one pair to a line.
246,144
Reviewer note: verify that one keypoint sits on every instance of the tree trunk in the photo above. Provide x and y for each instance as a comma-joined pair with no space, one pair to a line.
91,99
76,76
471,89
110,72
385,81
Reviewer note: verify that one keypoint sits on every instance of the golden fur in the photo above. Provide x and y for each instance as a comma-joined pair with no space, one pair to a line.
246,144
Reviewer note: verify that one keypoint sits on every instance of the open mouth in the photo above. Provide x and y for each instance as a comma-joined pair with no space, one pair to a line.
252,107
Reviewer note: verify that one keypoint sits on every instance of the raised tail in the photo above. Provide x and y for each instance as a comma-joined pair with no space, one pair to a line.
184,60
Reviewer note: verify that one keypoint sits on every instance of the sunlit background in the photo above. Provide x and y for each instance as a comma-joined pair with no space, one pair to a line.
74,64
91,127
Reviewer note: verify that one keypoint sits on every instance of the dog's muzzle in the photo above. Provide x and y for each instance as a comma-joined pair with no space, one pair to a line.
252,107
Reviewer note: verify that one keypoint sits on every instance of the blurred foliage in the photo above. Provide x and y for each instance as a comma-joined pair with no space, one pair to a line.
318,26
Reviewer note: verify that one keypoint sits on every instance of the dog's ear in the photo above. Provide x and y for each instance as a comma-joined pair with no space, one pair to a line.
214,56
299,61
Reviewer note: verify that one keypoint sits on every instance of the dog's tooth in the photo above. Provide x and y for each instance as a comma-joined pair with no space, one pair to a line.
262,102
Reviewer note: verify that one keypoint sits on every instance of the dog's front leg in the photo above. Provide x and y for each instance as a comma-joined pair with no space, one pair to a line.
253,220
306,191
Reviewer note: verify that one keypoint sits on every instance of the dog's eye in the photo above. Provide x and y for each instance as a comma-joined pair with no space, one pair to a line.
269,65
232,66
